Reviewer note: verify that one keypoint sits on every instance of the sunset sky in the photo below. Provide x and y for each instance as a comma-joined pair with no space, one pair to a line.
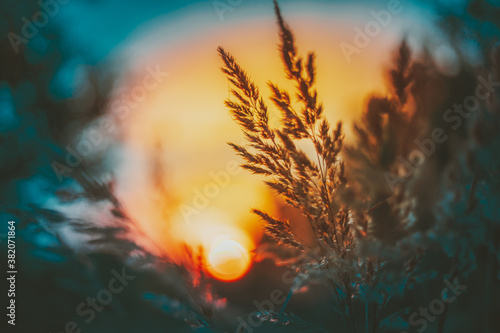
147,186
182,123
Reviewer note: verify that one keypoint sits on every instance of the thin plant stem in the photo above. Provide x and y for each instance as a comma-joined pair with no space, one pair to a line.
442,319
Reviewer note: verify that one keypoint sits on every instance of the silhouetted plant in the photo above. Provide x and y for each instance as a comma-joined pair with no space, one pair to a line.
378,227
311,184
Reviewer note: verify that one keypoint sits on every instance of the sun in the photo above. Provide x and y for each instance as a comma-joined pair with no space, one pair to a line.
228,260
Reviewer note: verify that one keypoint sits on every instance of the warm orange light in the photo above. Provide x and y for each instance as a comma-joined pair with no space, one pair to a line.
182,126
228,260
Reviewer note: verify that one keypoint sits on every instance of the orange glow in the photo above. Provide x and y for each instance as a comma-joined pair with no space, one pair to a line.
228,260
183,125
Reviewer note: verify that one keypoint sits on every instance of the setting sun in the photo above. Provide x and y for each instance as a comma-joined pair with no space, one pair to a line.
250,166
228,260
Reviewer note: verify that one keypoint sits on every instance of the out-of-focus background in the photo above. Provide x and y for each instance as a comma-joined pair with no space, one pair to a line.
127,98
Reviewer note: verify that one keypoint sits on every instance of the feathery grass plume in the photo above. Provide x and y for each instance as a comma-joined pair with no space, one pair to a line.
309,184
305,184
381,226
382,138
431,209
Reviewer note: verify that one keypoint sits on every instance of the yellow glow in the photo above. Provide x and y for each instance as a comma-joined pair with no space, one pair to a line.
183,125
228,260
